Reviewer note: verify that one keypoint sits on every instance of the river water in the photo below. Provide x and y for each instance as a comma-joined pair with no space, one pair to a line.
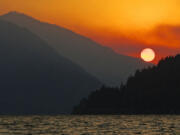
90,125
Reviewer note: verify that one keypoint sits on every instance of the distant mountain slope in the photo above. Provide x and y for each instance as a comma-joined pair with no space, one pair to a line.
108,66
155,90
34,78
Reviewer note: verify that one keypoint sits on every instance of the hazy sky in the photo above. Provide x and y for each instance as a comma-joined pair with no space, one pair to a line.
125,25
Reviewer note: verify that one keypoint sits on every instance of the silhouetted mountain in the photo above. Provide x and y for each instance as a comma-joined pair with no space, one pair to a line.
155,90
102,62
34,78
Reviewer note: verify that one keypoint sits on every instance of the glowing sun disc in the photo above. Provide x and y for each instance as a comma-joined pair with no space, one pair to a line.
148,54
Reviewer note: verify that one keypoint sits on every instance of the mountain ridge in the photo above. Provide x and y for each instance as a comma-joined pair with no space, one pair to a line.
102,62
30,18
35,79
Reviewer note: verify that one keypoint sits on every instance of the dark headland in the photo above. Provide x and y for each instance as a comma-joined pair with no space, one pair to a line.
155,90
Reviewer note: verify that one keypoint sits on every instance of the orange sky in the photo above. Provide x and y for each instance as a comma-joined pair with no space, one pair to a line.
125,25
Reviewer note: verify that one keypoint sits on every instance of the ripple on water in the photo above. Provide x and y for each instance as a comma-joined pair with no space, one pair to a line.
90,125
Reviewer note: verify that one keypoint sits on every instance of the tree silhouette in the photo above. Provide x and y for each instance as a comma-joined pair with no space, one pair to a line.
154,90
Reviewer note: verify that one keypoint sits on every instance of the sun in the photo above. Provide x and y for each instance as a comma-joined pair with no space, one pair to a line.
148,54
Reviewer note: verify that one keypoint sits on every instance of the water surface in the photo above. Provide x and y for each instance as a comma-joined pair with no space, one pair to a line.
90,125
